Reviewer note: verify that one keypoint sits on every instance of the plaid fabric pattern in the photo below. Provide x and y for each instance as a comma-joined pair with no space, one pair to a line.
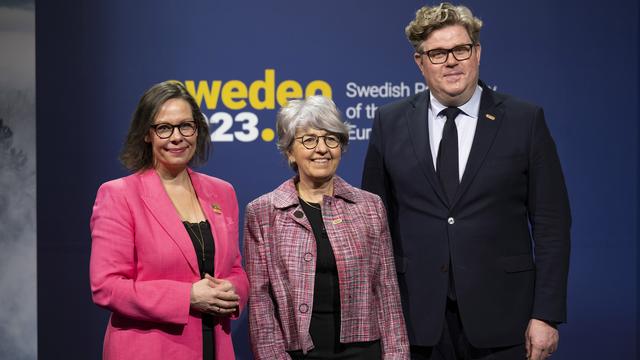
280,256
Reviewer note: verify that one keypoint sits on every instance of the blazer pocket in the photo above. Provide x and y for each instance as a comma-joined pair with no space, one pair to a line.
506,160
518,263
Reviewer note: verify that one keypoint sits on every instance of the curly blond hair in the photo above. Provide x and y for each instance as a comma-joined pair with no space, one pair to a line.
429,19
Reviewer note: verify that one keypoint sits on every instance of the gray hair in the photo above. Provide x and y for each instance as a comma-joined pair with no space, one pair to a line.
314,112
429,19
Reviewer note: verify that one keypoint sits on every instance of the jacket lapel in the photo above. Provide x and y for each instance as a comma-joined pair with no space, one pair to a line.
417,122
214,210
286,196
489,119
157,201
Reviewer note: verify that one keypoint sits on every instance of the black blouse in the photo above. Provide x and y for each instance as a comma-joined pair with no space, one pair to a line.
326,294
202,239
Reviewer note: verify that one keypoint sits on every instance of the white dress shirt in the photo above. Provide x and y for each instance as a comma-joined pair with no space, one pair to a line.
466,123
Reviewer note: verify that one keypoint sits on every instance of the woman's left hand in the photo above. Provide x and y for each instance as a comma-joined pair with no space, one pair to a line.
225,292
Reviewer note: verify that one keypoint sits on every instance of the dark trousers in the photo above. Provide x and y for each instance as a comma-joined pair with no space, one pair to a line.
454,345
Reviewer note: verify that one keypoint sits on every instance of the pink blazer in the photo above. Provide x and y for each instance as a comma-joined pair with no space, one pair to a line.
143,265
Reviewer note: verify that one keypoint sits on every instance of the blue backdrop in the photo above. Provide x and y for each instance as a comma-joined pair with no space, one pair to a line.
578,59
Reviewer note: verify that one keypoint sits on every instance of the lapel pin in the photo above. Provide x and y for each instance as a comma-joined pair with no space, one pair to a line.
336,221
216,208
490,117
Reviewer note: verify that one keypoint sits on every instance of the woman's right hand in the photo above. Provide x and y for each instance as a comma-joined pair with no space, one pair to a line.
216,298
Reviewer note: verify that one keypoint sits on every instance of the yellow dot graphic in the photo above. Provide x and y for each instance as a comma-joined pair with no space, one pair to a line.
268,134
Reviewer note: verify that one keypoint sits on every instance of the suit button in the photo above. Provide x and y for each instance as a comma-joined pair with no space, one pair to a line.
444,268
299,214
451,221
303,308
308,257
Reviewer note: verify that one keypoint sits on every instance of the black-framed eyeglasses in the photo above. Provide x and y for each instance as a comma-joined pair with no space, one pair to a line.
164,130
440,56
311,141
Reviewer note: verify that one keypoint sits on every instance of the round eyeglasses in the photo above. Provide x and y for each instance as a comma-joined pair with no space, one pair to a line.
164,130
311,141
440,56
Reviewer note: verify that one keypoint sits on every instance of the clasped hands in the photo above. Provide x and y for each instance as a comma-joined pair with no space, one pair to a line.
214,296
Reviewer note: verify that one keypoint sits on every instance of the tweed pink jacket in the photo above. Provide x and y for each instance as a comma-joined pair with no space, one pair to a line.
280,255
143,265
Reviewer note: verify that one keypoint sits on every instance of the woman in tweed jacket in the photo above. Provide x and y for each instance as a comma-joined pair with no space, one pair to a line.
318,253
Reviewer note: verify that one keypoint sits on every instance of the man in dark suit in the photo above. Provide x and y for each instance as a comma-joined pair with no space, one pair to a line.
477,204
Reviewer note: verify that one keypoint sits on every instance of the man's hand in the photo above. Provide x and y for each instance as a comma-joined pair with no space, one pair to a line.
541,340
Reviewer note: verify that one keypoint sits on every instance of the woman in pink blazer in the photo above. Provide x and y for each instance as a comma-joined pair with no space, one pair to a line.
318,253
164,256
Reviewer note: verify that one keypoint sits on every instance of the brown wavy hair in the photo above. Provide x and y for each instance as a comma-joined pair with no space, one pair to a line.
429,19
136,153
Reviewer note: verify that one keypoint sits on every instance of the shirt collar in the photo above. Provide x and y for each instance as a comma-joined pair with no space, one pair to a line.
470,108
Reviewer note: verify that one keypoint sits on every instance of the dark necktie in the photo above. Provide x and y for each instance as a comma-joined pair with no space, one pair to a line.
447,161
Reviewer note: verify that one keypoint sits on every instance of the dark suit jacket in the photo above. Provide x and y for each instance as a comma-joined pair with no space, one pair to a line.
506,230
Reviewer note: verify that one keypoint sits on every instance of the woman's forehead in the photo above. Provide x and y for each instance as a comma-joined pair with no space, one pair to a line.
310,130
